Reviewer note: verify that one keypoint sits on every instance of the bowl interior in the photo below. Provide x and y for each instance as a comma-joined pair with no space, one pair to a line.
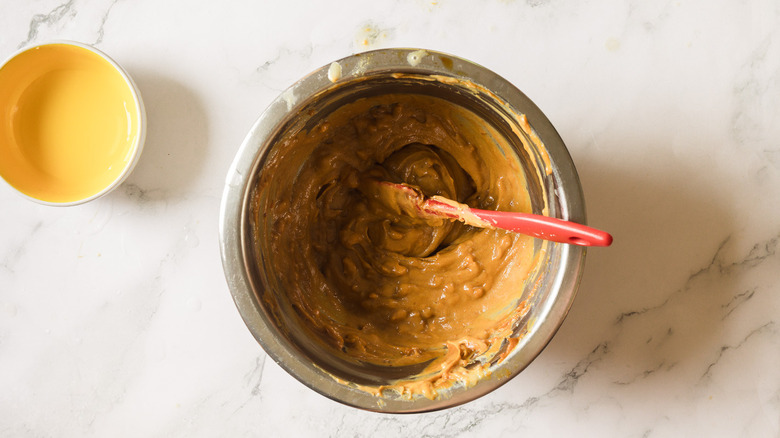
285,322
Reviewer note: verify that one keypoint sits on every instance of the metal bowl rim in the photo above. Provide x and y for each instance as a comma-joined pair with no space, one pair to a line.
233,209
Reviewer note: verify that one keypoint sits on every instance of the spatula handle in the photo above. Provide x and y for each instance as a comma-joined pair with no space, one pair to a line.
547,228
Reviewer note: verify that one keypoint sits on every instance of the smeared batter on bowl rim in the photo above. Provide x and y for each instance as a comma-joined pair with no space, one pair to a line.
385,288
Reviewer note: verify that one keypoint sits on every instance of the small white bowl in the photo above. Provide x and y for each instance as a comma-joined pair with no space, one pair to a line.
72,123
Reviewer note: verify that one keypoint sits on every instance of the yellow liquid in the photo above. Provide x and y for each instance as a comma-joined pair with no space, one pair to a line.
69,123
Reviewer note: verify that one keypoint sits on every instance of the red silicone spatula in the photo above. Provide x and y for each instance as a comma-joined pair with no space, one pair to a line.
410,200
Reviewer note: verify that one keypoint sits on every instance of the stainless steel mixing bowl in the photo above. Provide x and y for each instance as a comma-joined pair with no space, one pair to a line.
554,186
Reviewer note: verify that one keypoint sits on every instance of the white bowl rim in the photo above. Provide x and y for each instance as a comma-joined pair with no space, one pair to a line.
140,110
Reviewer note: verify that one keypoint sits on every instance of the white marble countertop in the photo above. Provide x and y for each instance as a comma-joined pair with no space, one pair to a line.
115,318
